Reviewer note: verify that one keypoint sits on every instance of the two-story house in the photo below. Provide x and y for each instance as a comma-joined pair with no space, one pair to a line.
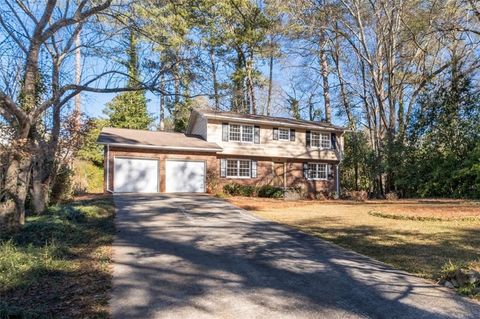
224,147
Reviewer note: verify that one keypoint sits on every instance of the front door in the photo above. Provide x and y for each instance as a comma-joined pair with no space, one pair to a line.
278,174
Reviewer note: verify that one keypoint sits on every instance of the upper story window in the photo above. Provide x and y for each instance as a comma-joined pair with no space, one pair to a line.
322,140
284,134
247,133
240,133
235,132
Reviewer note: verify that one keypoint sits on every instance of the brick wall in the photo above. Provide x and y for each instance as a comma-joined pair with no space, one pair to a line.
161,156
265,168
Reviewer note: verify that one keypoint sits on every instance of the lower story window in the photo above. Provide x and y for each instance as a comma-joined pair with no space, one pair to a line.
317,171
238,168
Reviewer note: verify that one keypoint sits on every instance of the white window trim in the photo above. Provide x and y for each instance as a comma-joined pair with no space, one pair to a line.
284,139
320,140
241,133
230,132
253,133
238,168
317,178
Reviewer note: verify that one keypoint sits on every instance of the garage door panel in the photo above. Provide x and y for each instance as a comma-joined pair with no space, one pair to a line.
185,176
135,175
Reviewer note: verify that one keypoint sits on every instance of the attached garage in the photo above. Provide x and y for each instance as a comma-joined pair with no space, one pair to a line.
133,175
185,176
138,161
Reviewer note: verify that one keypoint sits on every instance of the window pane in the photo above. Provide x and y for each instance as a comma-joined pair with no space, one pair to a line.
247,133
312,170
234,132
322,171
232,168
284,134
315,139
317,170
244,169
325,140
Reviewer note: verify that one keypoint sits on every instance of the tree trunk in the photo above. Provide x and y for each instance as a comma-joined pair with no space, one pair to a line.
250,86
162,105
40,191
324,72
270,83
78,78
238,97
17,180
216,96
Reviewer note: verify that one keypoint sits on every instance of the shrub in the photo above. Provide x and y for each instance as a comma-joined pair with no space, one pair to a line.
212,181
62,188
270,191
236,189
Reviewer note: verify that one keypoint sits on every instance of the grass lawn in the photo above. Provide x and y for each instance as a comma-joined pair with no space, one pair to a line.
58,264
421,237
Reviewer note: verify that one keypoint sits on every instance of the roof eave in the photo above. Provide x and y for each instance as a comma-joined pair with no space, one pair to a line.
165,148
281,123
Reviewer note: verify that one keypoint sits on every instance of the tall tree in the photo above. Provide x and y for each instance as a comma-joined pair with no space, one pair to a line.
36,84
129,109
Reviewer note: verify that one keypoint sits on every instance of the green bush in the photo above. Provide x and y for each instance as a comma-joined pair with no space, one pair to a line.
62,188
270,191
236,189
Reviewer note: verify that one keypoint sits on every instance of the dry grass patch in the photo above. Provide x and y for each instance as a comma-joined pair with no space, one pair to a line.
421,247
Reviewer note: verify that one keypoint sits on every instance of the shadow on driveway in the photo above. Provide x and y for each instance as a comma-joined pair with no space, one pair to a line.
194,256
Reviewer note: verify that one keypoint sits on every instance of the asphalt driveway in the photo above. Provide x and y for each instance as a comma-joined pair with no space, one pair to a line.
194,256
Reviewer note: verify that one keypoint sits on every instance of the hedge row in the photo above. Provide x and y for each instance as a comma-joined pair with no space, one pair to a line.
269,191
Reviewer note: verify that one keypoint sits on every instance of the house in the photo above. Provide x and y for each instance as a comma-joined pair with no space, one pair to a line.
223,147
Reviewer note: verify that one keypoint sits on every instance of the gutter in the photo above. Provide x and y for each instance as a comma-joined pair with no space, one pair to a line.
166,148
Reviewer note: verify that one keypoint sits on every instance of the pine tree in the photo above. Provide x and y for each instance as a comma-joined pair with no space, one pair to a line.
129,109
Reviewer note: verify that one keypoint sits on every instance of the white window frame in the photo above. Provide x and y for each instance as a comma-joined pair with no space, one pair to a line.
317,165
242,138
242,133
238,168
321,139
280,135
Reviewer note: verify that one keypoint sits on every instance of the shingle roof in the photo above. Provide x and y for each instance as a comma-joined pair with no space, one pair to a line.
263,118
151,139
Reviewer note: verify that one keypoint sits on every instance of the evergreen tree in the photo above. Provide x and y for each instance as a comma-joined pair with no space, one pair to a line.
129,109
443,152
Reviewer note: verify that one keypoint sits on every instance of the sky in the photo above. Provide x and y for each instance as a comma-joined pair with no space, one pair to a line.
93,104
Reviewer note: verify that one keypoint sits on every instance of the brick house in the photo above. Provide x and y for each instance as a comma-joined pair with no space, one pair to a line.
224,147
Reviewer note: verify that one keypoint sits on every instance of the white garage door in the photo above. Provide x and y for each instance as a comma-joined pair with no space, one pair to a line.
185,176
135,175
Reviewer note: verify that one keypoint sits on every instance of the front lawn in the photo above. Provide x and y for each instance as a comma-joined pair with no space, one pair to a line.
421,237
58,265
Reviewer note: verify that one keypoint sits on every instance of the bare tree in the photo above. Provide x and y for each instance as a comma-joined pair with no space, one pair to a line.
41,41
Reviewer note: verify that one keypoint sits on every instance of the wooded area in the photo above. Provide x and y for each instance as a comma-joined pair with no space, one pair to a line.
402,75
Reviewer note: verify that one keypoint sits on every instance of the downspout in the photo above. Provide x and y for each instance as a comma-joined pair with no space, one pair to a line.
108,169
340,157
338,179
